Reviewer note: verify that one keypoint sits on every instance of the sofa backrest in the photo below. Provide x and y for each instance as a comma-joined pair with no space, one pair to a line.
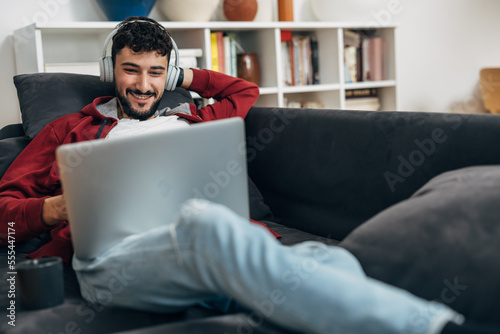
328,171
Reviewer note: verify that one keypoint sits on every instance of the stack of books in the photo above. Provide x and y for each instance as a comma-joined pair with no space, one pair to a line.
224,52
303,104
188,58
300,58
363,56
362,99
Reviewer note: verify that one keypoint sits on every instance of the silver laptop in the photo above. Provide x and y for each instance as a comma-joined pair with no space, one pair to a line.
118,187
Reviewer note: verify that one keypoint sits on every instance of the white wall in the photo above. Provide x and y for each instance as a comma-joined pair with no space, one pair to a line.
441,46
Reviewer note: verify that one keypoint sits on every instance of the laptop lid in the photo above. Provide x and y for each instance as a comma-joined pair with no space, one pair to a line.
118,187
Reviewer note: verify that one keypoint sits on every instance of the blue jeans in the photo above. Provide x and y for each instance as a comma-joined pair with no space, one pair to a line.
210,251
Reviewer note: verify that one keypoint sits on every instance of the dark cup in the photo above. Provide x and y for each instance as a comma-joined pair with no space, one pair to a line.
40,282
248,67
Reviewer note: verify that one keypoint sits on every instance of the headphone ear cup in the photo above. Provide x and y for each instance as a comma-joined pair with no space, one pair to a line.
106,68
172,77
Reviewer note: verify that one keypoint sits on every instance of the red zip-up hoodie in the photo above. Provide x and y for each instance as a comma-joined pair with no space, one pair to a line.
34,175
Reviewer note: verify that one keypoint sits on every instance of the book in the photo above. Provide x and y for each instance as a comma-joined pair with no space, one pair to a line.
188,62
295,55
227,54
350,64
352,38
373,59
304,104
315,60
187,57
312,105
220,51
194,52
305,60
363,103
233,52
286,57
214,52
364,92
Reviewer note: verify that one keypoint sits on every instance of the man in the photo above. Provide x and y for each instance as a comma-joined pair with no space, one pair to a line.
209,253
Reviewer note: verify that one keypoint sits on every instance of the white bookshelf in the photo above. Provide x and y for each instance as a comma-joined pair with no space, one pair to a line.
39,46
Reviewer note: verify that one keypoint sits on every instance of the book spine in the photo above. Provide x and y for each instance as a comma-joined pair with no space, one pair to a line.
288,57
351,64
227,55
220,51
377,61
234,55
214,50
295,61
368,92
315,61
373,59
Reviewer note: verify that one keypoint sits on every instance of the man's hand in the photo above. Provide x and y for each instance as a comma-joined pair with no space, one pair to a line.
54,210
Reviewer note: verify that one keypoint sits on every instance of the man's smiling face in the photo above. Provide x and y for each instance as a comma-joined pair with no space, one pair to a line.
140,82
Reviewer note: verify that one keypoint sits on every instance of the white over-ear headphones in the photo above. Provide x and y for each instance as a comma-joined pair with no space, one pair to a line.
106,62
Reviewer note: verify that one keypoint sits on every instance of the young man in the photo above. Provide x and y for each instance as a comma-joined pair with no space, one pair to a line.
209,253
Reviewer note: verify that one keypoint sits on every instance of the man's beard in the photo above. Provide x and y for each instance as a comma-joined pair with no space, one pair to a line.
129,110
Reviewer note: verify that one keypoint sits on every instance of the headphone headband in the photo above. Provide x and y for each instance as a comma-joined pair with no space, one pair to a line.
106,61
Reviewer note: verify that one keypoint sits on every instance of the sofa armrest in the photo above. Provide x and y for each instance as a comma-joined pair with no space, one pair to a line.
327,171
11,130
10,148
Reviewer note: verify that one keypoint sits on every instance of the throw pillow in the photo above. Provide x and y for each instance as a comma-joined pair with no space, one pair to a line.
259,210
441,244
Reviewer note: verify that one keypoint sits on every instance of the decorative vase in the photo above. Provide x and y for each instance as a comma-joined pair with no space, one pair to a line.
248,67
188,10
240,10
119,10
285,10
349,10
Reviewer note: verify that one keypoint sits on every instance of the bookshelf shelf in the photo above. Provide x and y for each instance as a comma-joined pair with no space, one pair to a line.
36,46
370,84
311,88
268,90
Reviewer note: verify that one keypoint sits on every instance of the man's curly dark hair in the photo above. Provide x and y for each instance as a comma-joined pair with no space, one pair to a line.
143,36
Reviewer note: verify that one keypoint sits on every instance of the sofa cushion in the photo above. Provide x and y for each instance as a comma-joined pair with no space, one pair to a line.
10,148
440,244
43,97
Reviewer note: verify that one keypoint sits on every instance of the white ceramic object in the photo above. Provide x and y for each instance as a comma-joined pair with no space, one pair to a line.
265,12
188,10
368,11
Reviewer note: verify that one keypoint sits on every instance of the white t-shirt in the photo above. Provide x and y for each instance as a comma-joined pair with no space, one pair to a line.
130,127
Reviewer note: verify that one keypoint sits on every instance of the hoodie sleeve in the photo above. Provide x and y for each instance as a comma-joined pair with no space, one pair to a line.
31,178
234,96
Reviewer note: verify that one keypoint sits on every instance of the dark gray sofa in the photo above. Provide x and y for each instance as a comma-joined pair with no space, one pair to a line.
413,195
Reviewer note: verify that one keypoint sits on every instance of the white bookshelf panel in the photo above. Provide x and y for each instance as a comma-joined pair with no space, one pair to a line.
388,98
262,43
267,100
